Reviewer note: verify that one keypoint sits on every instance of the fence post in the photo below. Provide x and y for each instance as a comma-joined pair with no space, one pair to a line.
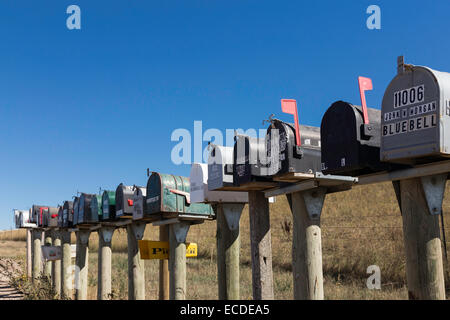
48,264
136,266
164,266
177,259
56,265
104,262
29,255
421,204
66,265
228,247
306,207
82,263
261,246
37,253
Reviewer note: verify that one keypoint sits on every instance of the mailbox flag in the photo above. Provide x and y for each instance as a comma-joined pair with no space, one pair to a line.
290,106
364,85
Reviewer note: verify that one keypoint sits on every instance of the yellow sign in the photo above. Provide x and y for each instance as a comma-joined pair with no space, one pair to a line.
160,249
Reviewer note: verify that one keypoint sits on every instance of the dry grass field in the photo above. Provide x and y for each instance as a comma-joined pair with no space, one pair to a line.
360,227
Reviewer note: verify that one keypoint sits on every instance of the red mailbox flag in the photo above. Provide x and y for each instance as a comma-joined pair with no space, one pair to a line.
364,84
290,106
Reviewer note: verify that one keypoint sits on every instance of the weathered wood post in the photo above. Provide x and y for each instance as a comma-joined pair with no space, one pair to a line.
82,263
37,253
228,247
104,262
420,204
177,259
136,266
164,287
261,246
66,265
306,207
48,264
29,254
56,265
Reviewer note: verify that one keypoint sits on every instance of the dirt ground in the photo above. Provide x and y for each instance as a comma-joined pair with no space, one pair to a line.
8,266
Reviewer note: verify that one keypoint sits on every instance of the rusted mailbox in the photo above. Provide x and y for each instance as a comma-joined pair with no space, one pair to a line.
169,195
124,201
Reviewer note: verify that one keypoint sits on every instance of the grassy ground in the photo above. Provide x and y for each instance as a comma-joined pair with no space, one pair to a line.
360,228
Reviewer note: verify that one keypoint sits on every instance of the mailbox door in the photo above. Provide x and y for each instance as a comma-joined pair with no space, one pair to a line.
67,213
96,209
124,200
218,177
139,203
109,205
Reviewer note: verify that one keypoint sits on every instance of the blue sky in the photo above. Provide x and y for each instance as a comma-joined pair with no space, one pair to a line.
90,108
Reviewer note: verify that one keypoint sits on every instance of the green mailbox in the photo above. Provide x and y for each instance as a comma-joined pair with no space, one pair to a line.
169,195
109,205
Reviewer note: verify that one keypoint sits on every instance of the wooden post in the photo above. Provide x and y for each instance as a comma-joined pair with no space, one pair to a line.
37,253
29,255
261,246
104,263
228,247
177,260
136,266
56,265
48,264
66,265
82,263
424,267
164,266
307,270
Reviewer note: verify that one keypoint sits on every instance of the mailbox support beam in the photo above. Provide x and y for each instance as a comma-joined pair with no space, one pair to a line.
306,207
48,264
136,266
228,246
66,265
261,246
421,203
37,253
177,259
164,286
29,254
104,263
56,265
82,263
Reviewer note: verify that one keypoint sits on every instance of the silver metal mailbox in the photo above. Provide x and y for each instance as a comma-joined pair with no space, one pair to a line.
139,202
220,168
415,116
124,200
22,219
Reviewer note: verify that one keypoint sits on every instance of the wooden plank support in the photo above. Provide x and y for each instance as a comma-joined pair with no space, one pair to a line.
261,246
37,254
56,265
177,259
82,264
164,287
421,203
228,247
136,266
306,207
105,235
66,265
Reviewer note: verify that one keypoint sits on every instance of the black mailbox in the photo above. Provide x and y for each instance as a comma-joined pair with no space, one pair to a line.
37,214
76,204
67,214
286,154
108,205
124,201
250,163
84,208
350,147
60,216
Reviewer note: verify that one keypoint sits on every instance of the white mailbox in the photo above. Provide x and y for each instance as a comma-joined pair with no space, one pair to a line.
220,168
200,192
22,219
139,202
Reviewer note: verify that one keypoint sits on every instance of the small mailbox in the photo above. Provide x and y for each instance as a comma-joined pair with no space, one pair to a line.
415,116
139,203
52,217
96,209
201,194
250,162
350,147
124,201
169,195
109,205
84,209
220,168
286,154
60,216
37,214
76,207
22,219
67,214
